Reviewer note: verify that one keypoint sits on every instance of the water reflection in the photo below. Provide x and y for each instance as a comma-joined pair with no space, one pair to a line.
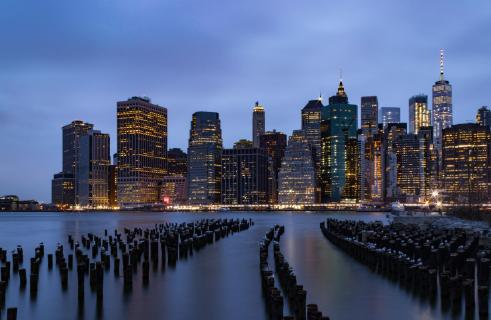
219,282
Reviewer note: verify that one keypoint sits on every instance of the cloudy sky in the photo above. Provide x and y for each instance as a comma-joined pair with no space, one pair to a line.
67,60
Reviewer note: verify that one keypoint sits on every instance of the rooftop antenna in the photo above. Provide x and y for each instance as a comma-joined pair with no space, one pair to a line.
441,64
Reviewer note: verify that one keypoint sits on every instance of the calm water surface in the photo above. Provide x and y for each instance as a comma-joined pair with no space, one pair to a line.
222,281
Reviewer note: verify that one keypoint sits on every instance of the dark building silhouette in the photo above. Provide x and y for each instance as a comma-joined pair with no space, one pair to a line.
244,175
274,143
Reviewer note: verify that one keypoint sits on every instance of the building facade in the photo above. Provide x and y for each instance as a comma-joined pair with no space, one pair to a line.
338,125
204,159
258,123
93,169
466,164
244,175
409,170
274,143
142,151
389,115
296,178
419,115
174,190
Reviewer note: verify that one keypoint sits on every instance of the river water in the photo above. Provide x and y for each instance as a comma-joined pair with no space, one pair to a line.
222,281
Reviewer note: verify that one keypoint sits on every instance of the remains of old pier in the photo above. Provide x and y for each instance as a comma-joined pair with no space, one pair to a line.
428,261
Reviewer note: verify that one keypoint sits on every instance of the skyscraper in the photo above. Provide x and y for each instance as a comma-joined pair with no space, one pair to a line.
408,156
274,143
244,175
204,158
338,125
369,113
93,169
483,116
466,163
258,123
296,178
71,153
442,107
419,115
389,115
65,184
391,133
371,170
311,125
428,162
142,151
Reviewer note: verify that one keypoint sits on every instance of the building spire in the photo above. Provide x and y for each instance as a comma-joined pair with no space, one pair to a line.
441,64
341,86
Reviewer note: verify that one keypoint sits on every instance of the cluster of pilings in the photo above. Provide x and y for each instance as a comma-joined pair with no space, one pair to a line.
129,249
272,295
427,261
295,294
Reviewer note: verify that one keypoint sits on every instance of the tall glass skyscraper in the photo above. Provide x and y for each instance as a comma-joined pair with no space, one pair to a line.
142,151
258,123
338,125
419,115
442,107
389,115
296,179
204,158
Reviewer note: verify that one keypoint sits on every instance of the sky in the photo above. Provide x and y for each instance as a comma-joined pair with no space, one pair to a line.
67,60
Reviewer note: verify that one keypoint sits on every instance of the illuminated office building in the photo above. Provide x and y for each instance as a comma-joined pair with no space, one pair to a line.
311,125
442,107
338,124
296,178
371,162
407,150
483,116
258,123
93,169
389,115
274,143
204,158
389,160
352,188
466,163
244,174
142,151
419,115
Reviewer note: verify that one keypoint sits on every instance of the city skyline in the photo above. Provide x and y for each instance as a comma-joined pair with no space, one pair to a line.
87,86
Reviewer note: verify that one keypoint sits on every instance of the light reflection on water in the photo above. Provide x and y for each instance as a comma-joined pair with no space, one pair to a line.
221,281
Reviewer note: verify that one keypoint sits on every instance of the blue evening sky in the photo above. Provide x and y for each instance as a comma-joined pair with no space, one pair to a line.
67,60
